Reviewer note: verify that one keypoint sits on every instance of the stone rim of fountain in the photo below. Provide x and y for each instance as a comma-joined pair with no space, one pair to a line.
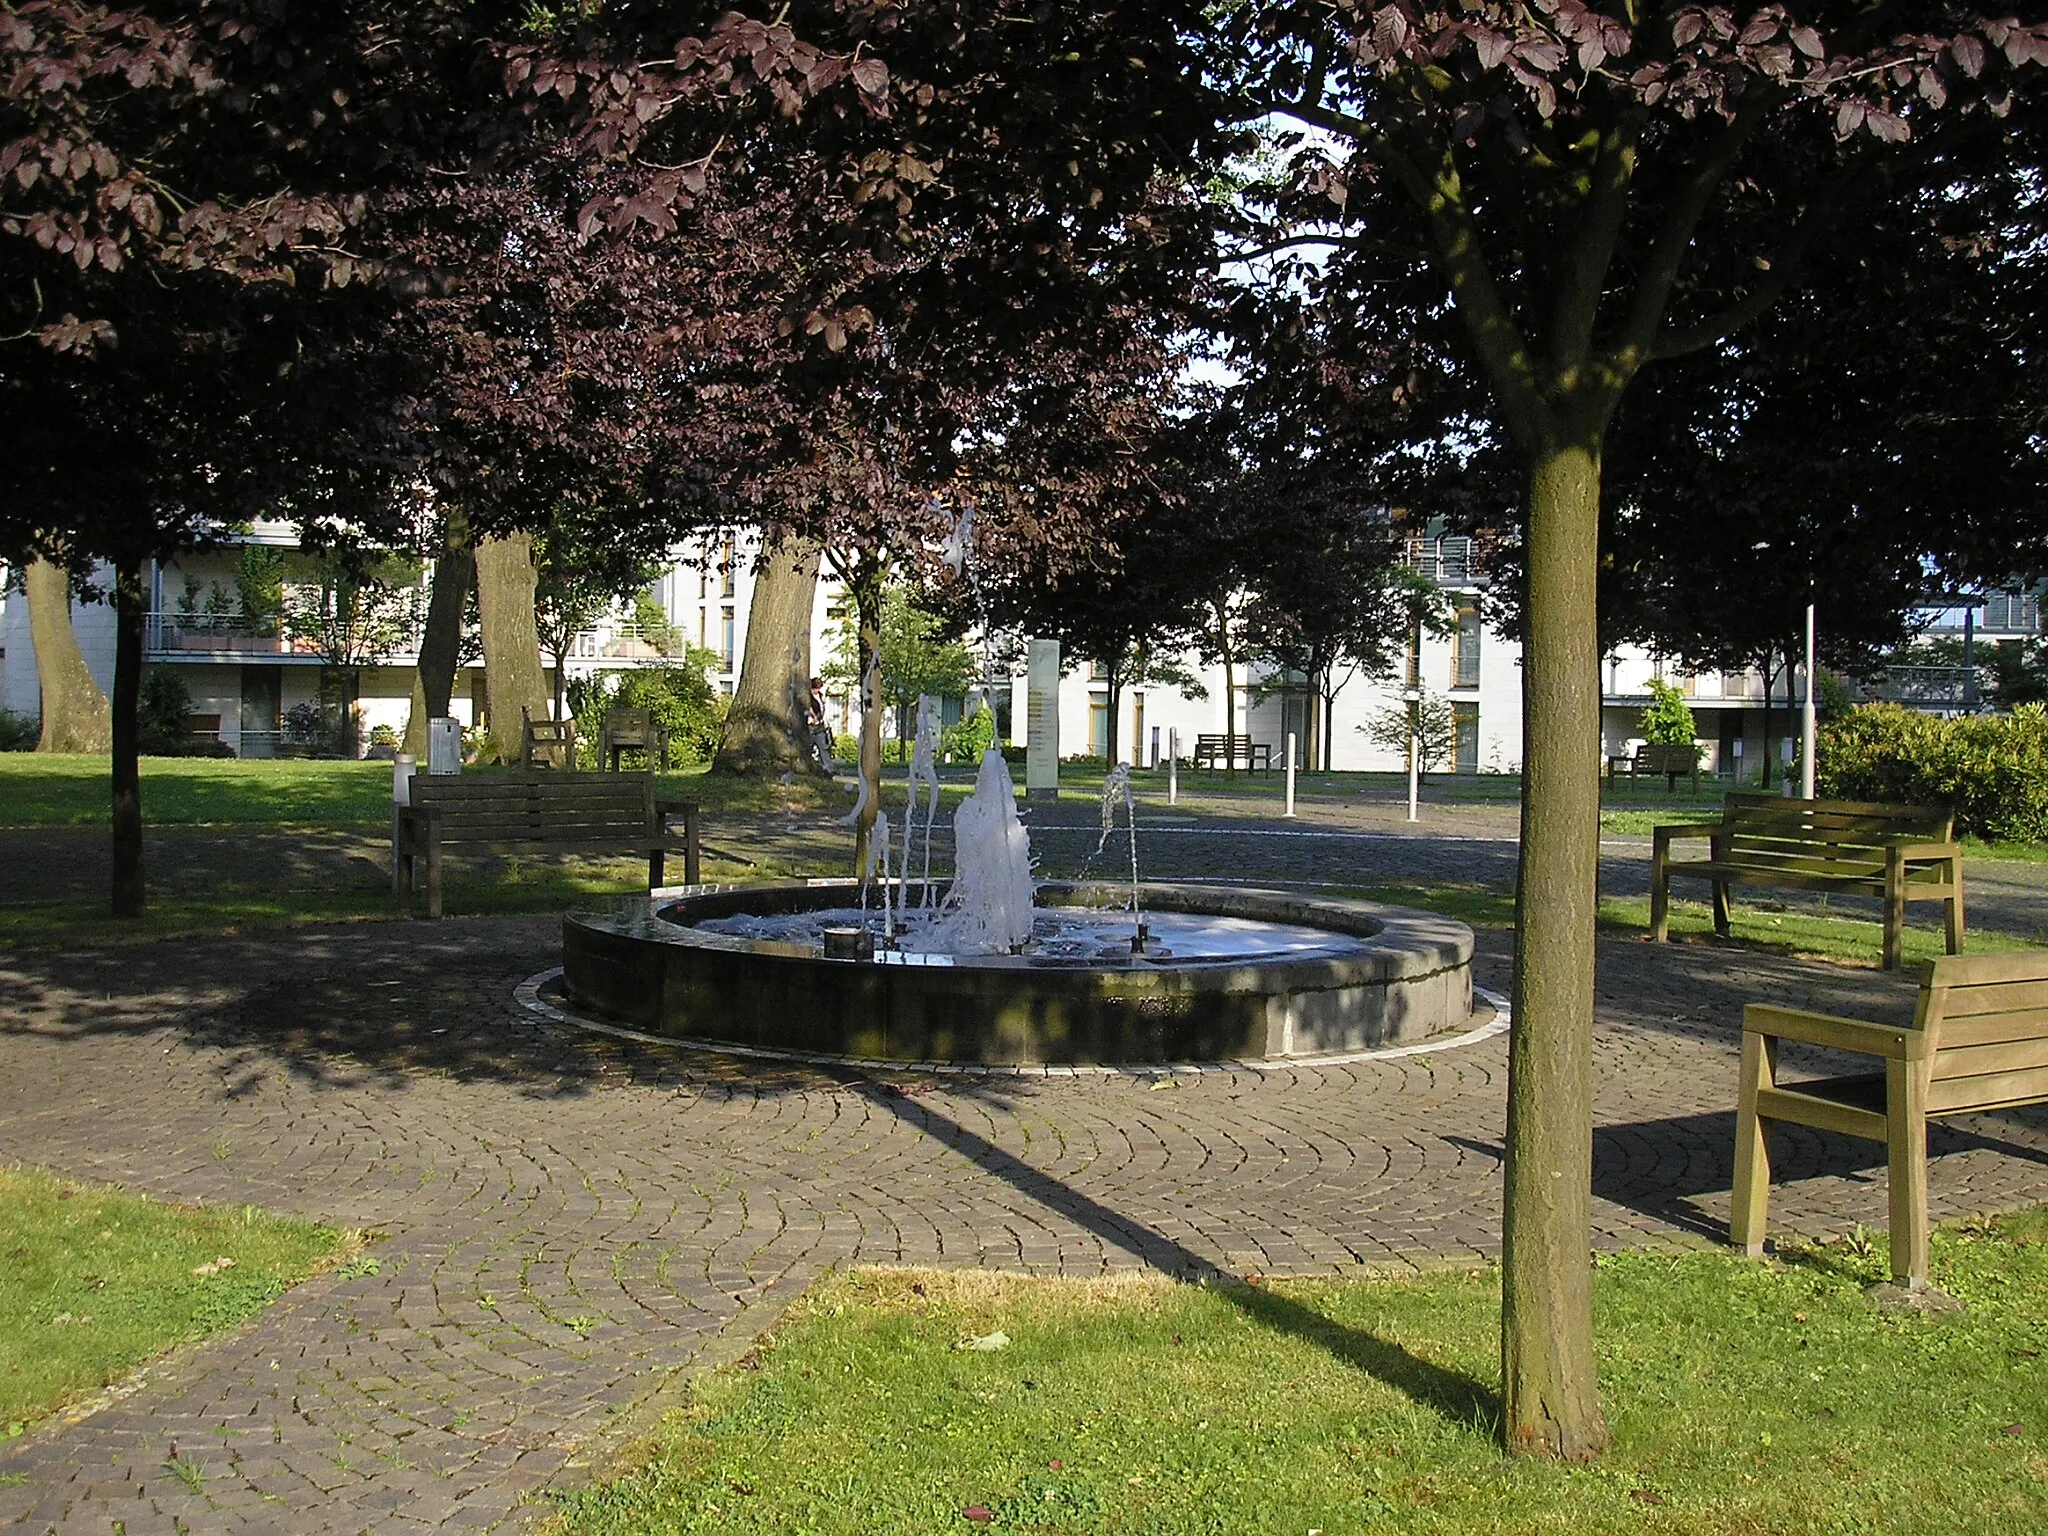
1408,979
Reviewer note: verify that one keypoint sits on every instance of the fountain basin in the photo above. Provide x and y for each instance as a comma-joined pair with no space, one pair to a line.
1388,976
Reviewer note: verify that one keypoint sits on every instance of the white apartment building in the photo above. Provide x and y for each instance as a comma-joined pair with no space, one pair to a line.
243,684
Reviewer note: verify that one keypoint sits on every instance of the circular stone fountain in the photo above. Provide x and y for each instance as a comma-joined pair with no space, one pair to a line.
1222,974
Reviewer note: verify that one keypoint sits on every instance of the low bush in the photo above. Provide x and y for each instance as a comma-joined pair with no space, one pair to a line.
966,740
1992,768
681,700
18,733
1668,721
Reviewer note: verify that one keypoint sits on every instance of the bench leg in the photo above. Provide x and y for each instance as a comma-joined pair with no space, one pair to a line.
1660,898
1894,911
1746,1217
657,866
405,882
1721,908
1955,914
1906,1117
434,878
693,856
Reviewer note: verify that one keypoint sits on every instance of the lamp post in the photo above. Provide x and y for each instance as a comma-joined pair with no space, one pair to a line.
1807,731
1414,697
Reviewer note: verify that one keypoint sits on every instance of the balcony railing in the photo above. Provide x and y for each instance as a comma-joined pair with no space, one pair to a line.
1939,687
215,633
1999,613
1448,561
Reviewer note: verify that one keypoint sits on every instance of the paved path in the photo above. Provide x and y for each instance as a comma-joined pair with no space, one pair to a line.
569,1217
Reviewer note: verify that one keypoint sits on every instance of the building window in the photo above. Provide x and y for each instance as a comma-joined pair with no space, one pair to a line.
725,571
1465,650
1465,724
725,640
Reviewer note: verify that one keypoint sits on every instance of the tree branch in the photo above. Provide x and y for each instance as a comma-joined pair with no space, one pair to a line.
1585,279
1674,239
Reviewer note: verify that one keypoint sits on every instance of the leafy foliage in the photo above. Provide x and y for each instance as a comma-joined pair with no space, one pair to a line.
18,733
681,698
1993,769
1668,721
1430,724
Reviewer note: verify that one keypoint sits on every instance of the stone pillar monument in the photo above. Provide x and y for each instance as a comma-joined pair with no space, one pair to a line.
1042,729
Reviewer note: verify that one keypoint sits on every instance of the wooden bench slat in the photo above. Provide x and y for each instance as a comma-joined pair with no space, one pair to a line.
1990,1090
1970,1061
1820,1111
1992,997
1992,1028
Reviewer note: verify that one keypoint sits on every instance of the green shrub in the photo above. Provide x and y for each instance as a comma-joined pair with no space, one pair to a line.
681,699
965,740
18,733
1992,768
1668,721
162,703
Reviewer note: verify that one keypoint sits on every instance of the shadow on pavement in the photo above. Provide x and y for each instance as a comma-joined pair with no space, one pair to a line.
1452,1394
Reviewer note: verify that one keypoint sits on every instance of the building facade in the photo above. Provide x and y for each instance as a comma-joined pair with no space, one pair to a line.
245,678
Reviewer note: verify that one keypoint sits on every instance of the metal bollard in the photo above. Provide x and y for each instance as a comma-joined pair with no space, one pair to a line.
1290,775
1173,766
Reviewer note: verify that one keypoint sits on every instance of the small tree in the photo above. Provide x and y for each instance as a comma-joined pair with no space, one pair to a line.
1429,724
1668,721
916,658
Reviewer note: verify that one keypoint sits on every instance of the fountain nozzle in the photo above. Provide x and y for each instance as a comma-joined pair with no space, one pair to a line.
1141,938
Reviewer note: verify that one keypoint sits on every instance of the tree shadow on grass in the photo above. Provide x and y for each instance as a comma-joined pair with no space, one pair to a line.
1456,1396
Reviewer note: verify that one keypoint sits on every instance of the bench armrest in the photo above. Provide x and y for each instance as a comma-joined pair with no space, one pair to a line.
1910,851
673,807
1892,1041
1663,836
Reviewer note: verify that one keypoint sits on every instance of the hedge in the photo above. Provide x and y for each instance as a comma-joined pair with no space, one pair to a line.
1992,768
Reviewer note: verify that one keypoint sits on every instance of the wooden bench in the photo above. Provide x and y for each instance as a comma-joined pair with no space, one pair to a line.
1231,750
561,812
631,730
1668,761
1900,853
1978,1041
552,742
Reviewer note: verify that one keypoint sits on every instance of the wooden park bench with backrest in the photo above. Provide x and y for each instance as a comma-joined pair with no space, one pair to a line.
558,812
1231,750
1668,762
631,730
550,743
1899,853
1978,1041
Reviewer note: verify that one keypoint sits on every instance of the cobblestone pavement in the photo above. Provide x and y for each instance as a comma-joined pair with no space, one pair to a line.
567,1217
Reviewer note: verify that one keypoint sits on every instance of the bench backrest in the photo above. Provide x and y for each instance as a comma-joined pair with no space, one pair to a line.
1823,837
539,807
1987,1021
629,727
1665,758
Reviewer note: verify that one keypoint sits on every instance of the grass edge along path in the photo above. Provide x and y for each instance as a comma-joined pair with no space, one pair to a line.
96,1282
1745,1397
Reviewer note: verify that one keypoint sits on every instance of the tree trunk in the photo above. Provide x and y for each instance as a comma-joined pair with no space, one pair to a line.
1770,674
505,582
74,710
767,730
441,642
867,598
1550,1397
1109,672
130,894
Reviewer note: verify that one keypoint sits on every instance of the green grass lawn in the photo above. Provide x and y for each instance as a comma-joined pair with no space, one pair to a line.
95,1282
1792,931
45,790
1744,1398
